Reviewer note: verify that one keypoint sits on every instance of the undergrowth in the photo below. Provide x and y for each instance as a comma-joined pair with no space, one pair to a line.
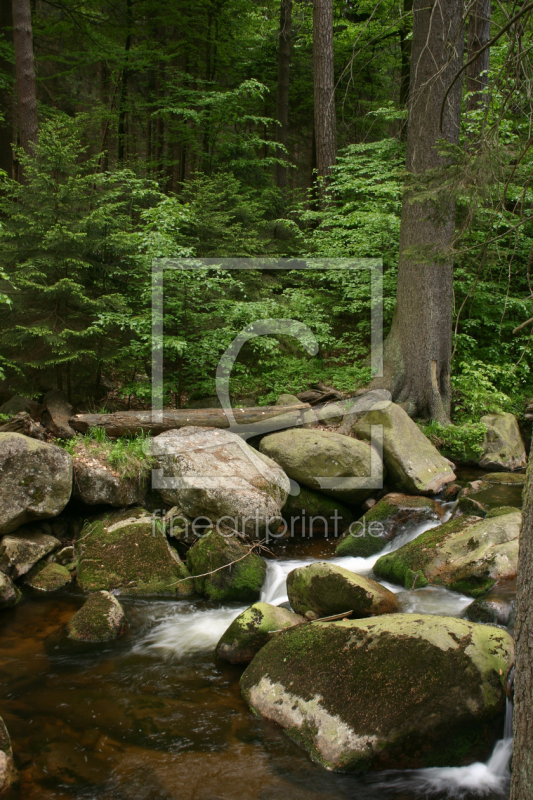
458,442
127,456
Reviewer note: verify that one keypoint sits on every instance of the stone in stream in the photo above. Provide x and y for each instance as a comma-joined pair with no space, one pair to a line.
505,478
413,464
241,580
97,483
323,589
9,593
466,554
128,551
318,458
391,515
21,550
100,619
465,504
395,691
214,474
503,446
36,480
324,516
45,577
252,630
8,773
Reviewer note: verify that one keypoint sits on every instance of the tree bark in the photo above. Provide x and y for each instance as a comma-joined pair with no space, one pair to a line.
477,78
324,88
25,76
284,66
418,349
405,51
121,132
522,777
6,99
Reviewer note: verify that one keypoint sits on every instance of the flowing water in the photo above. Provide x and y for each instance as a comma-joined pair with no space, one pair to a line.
155,716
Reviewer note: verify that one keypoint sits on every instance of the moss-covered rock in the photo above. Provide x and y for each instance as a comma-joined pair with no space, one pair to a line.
252,630
9,593
465,504
45,577
324,516
391,515
318,459
21,550
100,619
36,480
288,400
413,464
8,774
396,691
241,580
129,551
326,589
466,554
501,511
503,447
490,610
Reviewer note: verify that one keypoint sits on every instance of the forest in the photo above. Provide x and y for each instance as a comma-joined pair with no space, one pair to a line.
277,160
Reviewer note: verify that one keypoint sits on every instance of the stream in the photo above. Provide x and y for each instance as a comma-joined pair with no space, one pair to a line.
155,716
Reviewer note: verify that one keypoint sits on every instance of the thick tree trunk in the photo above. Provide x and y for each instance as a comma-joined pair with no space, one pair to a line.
324,88
284,65
477,78
418,349
25,76
522,780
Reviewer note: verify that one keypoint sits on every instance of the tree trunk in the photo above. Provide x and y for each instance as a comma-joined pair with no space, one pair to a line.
121,132
418,349
522,779
6,99
284,65
25,75
324,88
405,50
477,78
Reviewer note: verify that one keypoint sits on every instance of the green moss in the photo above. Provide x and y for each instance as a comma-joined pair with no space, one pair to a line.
251,630
516,478
45,577
94,621
241,580
501,511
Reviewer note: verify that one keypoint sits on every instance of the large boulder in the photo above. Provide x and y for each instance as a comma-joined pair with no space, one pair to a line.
252,630
335,464
100,619
21,550
392,515
97,483
503,446
323,589
314,513
240,580
213,473
466,554
36,480
9,593
396,691
128,551
8,773
46,577
413,464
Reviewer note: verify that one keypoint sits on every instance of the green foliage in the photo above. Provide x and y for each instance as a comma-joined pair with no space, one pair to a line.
127,456
476,392
461,443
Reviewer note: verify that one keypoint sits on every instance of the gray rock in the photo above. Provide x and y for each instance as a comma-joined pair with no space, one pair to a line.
323,460
288,400
65,556
35,480
360,694
18,404
252,630
503,447
56,413
100,619
214,474
96,483
8,773
9,593
21,550
413,464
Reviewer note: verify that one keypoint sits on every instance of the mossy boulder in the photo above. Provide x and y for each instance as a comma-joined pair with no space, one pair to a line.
314,513
392,515
241,580
505,478
326,589
323,460
252,630
100,619
465,504
395,691
128,551
45,577
214,474
9,593
36,480
288,400
20,551
503,446
413,464
8,773
466,554
97,483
